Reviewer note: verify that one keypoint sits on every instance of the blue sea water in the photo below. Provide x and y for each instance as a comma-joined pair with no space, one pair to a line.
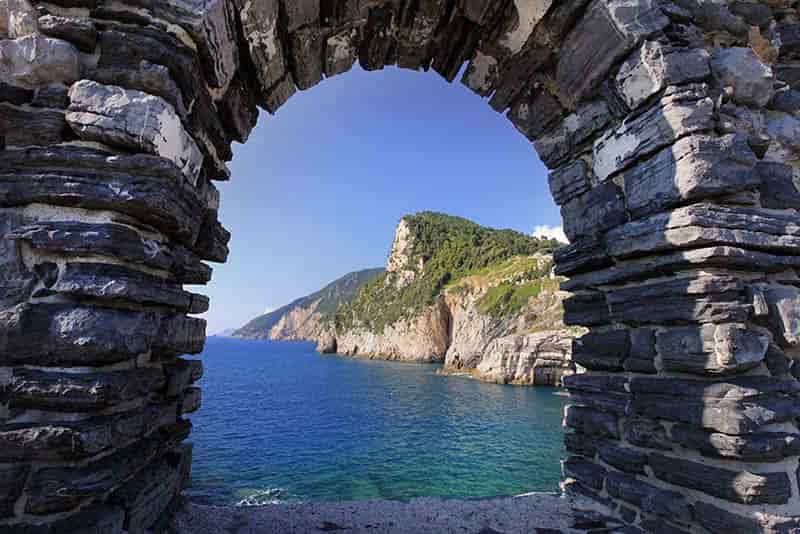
281,423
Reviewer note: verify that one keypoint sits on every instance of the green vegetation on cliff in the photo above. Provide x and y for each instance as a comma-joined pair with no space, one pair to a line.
449,249
330,298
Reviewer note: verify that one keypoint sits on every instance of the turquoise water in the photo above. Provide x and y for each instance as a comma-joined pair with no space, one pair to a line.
281,423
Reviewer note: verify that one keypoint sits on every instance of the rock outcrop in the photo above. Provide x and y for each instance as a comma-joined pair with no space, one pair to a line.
308,318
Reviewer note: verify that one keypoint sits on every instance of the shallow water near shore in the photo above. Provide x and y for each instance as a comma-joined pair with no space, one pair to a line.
280,423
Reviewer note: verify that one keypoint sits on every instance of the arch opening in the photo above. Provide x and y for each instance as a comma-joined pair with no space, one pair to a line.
670,132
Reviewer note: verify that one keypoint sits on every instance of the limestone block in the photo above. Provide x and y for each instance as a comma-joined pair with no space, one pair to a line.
576,129
704,225
26,126
736,486
623,458
260,26
741,69
79,440
569,181
758,447
280,94
535,113
695,167
646,433
590,421
716,519
784,311
16,279
592,213
340,52
681,111
57,489
712,349
605,34
76,392
738,406
114,240
586,309
212,25
585,254
51,96
36,60
378,38
654,66
481,73
585,471
650,499
62,334
307,57
112,283
528,16
133,120
643,351
783,130
181,374
147,496
300,13
150,189
80,32
604,351
179,334
701,299
777,189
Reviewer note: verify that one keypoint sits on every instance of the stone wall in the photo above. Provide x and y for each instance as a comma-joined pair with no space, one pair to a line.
671,130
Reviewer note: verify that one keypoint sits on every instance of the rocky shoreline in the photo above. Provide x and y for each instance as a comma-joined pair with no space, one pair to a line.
534,513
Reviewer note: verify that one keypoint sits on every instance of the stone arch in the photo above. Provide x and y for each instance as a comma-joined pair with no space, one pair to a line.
671,132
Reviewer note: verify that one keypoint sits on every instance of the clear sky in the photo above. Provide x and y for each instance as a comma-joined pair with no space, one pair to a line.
318,189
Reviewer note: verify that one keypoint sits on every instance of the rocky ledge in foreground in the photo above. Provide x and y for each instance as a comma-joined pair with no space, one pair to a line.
534,513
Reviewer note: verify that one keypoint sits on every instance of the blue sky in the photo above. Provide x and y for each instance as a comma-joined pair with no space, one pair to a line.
318,189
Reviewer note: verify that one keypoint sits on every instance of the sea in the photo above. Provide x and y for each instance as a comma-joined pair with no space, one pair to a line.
281,423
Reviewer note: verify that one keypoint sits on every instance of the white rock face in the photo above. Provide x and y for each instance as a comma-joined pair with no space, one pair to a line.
402,249
740,69
529,13
22,18
134,120
423,339
36,60
543,358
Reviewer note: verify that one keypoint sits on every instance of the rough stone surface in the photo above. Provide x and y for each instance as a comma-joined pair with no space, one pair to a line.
671,132
132,120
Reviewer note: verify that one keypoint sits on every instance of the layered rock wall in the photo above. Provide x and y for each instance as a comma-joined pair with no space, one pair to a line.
672,133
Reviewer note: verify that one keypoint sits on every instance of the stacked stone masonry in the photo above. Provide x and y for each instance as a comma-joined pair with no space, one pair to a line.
672,132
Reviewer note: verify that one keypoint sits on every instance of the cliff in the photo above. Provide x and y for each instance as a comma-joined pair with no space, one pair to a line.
481,301
309,317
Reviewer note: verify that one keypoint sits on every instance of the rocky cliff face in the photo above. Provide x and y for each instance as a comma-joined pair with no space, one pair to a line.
309,318
497,319
500,323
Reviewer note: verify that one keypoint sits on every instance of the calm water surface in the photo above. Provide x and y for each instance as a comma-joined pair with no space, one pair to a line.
281,423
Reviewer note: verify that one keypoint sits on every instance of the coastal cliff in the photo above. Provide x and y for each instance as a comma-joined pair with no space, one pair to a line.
308,318
481,301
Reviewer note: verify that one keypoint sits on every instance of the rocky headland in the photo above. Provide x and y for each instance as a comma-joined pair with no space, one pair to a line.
483,302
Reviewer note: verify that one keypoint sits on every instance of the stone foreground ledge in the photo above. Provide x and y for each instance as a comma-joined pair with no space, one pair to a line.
533,513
